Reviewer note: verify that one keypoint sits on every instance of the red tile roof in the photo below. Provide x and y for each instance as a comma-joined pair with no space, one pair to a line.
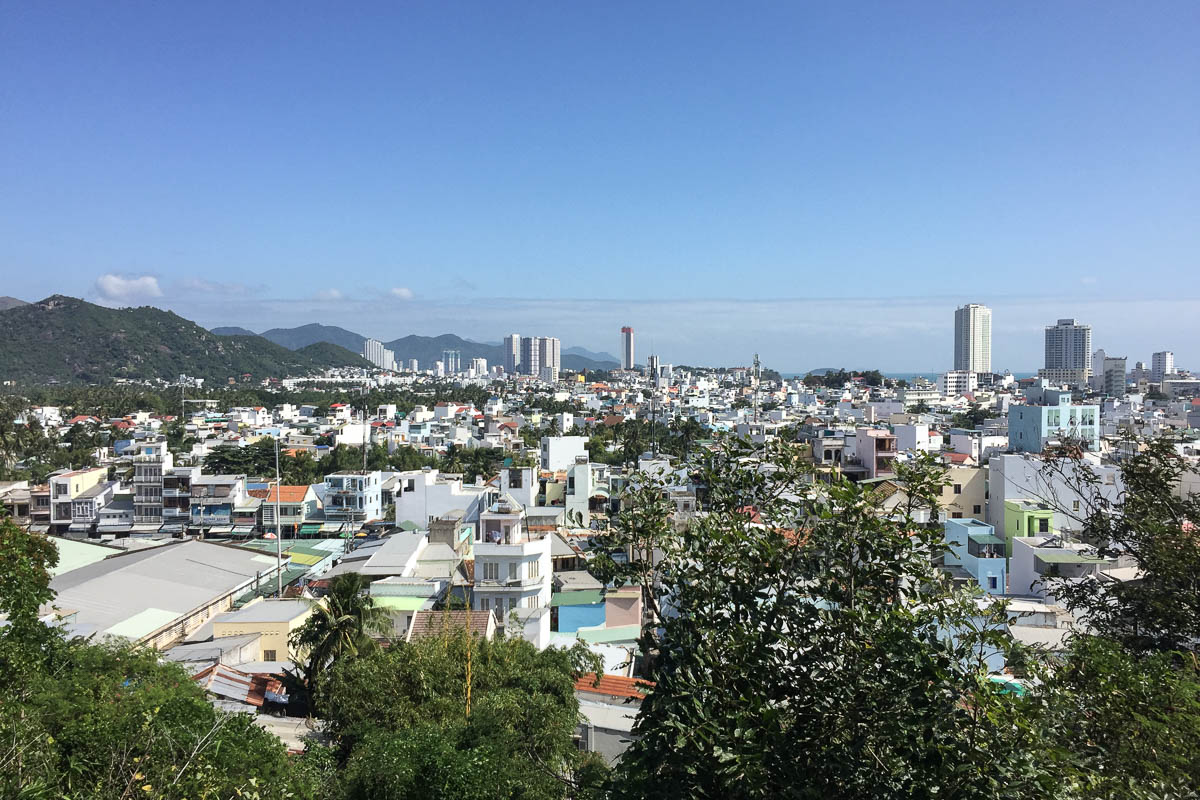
613,685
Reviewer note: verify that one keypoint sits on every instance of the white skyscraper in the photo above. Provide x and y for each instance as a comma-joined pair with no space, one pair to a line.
973,338
377,354
1162,364
627,359
549,354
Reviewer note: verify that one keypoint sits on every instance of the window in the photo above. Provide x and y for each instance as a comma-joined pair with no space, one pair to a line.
958,488
992,582
268,655
976,509
956,515
485,604
491,570
512,570
1043,525
535,568
1075,505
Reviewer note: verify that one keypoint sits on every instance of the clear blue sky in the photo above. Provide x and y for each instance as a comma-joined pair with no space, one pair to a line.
820,182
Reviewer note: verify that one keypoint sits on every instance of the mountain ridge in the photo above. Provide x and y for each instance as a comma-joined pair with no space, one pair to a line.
65,338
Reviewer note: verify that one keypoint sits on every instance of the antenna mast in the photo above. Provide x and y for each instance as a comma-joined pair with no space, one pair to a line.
755,377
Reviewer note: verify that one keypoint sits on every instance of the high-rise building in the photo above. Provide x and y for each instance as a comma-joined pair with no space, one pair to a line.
512,353
377,354
652,367
412,365
973,338
1162,364
627,360
530,363
549,358
452,361
1068,353
1113,382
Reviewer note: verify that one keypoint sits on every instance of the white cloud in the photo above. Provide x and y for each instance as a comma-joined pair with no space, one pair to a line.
212,287
401,293
113,288
1088,280
328,294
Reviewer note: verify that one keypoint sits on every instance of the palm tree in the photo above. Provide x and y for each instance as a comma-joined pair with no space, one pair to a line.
340,627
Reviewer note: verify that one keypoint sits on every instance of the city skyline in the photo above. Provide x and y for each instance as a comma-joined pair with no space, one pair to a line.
829,153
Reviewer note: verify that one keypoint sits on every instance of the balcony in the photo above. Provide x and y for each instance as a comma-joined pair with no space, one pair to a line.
527,548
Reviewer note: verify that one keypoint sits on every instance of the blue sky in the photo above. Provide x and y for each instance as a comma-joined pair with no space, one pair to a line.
821,183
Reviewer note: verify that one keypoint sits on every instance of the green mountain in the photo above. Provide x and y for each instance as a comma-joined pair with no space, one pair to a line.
303,336
7,302
232,331
68,339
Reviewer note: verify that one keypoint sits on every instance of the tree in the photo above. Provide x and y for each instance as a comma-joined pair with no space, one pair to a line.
1150,525
808,648
456,716
340,627
83,720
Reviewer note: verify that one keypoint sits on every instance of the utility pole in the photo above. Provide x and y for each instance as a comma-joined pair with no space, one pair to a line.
278,529
754,378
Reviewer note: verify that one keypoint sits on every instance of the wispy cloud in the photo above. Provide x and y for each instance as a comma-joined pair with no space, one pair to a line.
329,295
401,293
113,289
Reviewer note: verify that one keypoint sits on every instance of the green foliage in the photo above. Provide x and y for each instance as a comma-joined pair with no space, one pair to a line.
83,720
1130,725
1151,526
808,656
67,339
340,627
837,378
973,417
399,716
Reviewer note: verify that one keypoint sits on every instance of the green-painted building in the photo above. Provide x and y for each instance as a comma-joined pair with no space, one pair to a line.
1026,518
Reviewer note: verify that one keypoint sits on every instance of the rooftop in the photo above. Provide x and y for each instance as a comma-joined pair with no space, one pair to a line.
268,611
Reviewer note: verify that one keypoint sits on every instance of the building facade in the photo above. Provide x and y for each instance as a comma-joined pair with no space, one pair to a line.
1068,348
973,338
627,355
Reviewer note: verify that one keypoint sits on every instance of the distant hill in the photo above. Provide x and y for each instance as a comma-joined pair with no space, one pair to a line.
425,349
295,338
232,331
428,349
68,339
7,302
593,355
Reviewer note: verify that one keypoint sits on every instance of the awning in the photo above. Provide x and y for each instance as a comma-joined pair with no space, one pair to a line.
219,529
80,527
310,528
243,530
146,527
39,528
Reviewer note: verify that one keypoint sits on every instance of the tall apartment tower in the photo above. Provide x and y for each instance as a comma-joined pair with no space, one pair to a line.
627,360
973,338
452,360
1162,364
1068,352
512,353
531,362
549,353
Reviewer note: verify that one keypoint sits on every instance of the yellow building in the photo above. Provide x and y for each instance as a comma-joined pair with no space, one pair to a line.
965,495
274,620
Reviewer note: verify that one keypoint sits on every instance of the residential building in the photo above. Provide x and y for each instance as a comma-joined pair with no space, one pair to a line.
512,353
86,507
424,494
974,547
875,450
298,509
549,355
512,563
1162,364
560,452
957,383
1068,352
1023,518
380,356
152,462
1049,414
176,497
1040,558
273,620
1112,378
965,494
452,361
354,496
973,339
212,501
65,486
627,354
1073,486
531,363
